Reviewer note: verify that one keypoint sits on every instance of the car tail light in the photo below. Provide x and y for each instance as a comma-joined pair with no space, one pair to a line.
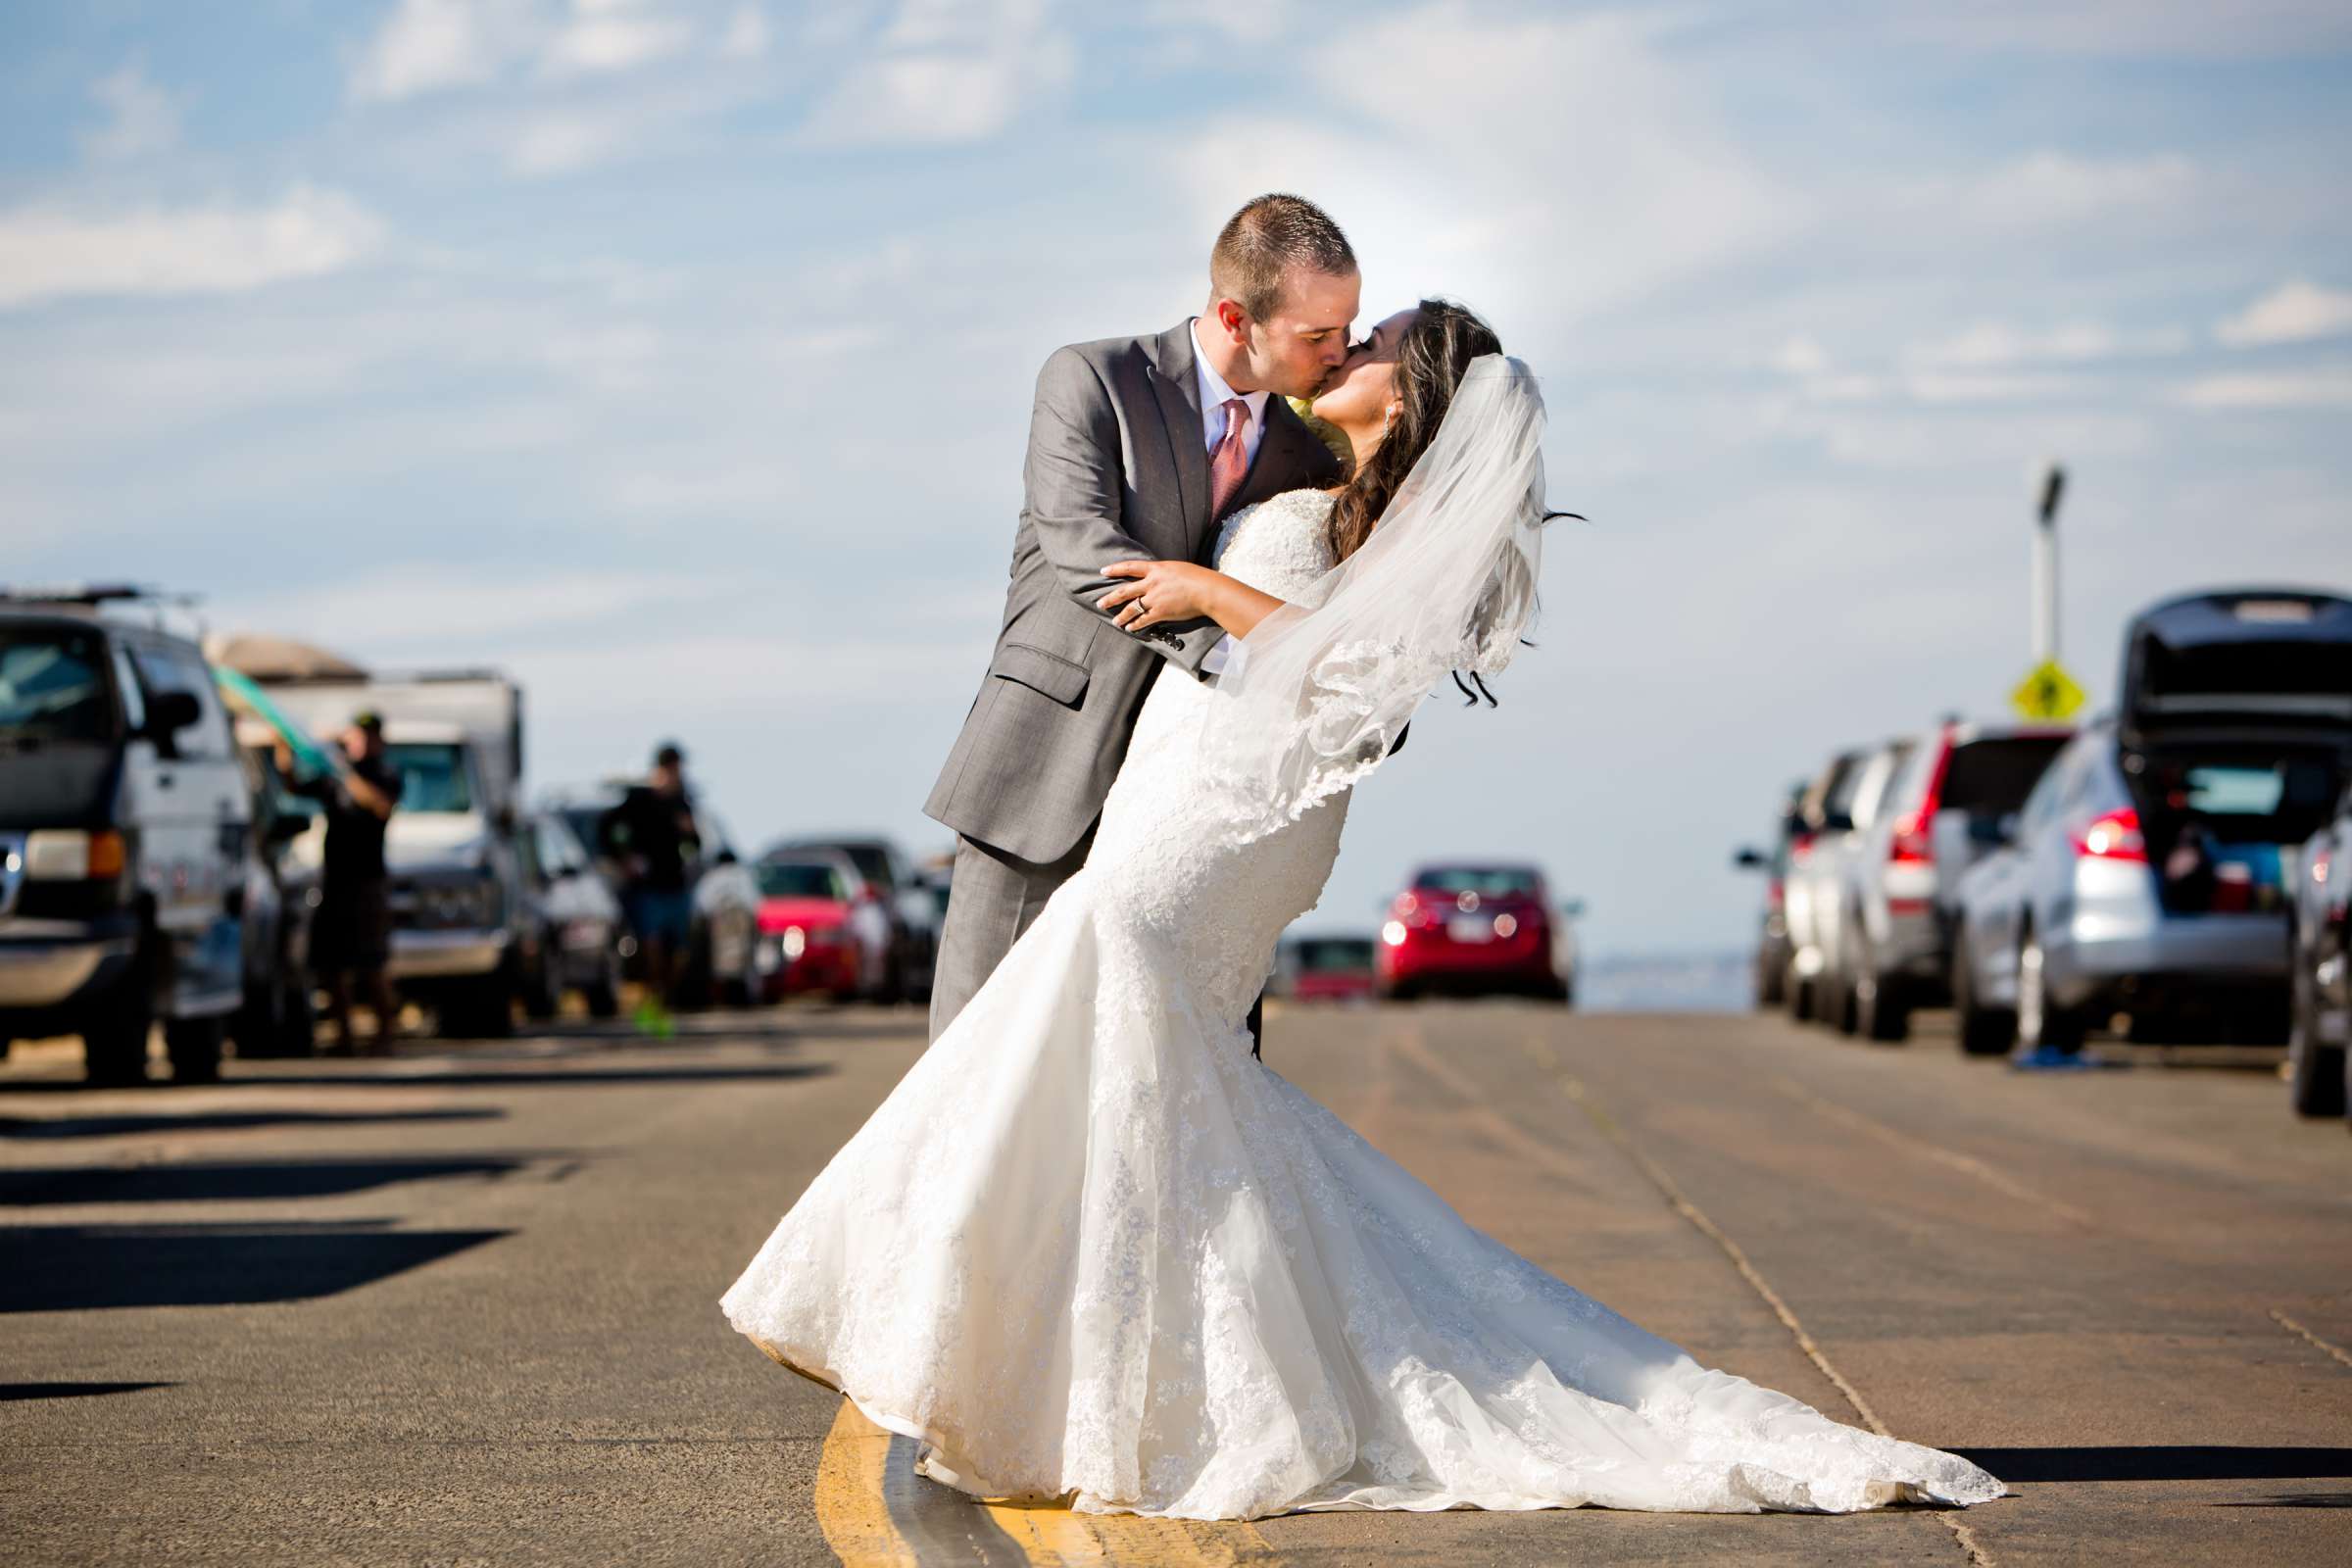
2113,836
1776,895
1801,849
68,854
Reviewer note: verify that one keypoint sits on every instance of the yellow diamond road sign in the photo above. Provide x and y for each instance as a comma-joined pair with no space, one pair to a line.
2048,692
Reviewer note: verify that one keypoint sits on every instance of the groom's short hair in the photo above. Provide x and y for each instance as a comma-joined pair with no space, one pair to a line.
1265,241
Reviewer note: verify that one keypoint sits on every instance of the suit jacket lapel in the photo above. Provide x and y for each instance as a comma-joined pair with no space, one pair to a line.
1176,384
1284,456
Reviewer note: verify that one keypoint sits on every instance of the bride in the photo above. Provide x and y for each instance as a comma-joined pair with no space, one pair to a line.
1091,1248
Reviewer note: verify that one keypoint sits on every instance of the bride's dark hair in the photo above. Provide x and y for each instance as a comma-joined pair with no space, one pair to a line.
1432,356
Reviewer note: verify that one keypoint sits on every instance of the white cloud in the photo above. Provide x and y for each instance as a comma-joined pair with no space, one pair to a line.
2056,187
399,610
2294,312
50,254
1801,356
141,118
2328,388
434,45
564,144
1993,345
947,73
748,34
2129,28
1541,168
605,38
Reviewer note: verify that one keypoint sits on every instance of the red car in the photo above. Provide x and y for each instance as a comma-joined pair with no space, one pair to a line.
1326,969
822,927
1474,930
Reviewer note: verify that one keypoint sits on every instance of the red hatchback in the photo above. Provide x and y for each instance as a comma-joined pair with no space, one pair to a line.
1472,930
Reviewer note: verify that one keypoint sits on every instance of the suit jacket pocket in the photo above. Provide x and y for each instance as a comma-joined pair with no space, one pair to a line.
1062,679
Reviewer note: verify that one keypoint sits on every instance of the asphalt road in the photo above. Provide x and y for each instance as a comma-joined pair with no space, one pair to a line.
459,1306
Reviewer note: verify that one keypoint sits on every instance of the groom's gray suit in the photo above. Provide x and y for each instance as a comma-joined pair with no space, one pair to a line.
1117,470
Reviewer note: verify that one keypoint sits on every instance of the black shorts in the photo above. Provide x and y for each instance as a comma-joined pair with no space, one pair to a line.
352,928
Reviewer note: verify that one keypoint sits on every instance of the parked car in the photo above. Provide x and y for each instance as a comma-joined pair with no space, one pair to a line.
1900,883
1326,968
571,923
125,831
725,919
2319,1067
455,890
1851,810
916,913
1475,929
822,927
2146,876
1773,947
1819,815
277,1017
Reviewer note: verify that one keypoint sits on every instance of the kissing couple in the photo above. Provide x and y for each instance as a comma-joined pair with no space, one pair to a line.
1090,1247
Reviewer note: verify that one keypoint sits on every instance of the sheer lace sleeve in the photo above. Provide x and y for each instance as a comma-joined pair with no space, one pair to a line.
1446,581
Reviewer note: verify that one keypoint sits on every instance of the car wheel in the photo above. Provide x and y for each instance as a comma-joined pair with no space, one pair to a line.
604,997
297,1019
480,1009
1982,1031
2316,1073
194,1047
113,1039
1882,1011
542,996
2040,1024
1804,999
1845,1002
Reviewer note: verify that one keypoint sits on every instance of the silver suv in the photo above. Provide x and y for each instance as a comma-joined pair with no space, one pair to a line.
1944,809
125,827
2147,873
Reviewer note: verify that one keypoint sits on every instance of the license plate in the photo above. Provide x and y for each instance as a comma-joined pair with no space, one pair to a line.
1470,928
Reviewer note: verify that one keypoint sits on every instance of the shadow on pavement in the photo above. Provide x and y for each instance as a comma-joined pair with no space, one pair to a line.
208,1182
71,1268
11,1393
2188,1463
218,1121
495,1076
2297,1499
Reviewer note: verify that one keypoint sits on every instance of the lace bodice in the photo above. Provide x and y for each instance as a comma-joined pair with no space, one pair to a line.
1278,546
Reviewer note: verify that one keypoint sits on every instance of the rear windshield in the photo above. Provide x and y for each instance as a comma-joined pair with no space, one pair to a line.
799,879
1989,777
1326,954
432,775
1487,882
2248,669
53,687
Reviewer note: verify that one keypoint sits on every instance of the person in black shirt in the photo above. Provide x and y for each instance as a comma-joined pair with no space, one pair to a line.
352,931
651,834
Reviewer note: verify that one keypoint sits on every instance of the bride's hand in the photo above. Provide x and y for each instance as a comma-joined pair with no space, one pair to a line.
1157,591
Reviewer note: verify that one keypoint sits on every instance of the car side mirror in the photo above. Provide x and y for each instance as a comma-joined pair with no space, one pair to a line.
1749,859
1836,823
170,713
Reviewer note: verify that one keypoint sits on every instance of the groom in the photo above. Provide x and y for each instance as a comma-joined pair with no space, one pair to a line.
1139,447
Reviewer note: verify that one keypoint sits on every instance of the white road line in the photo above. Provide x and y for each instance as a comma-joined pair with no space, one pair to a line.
1913,1144
2293,1326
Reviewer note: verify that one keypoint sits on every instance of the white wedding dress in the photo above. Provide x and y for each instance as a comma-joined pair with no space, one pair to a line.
1090,1249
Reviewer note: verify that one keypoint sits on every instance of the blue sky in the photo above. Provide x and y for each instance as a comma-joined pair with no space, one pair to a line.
676,356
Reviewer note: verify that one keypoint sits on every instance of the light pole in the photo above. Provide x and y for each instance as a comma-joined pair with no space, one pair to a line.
2046,568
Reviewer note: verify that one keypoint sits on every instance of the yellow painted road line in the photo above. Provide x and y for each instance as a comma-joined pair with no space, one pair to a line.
876,1512
850,1506
1913,1144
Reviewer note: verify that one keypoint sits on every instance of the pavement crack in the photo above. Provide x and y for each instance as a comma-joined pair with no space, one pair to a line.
1962,1535
1913,1144
2295,1327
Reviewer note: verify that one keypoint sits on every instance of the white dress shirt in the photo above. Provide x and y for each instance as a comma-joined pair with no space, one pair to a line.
1222,657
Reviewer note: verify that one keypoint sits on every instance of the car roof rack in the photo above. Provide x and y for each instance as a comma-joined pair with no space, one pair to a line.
98,598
